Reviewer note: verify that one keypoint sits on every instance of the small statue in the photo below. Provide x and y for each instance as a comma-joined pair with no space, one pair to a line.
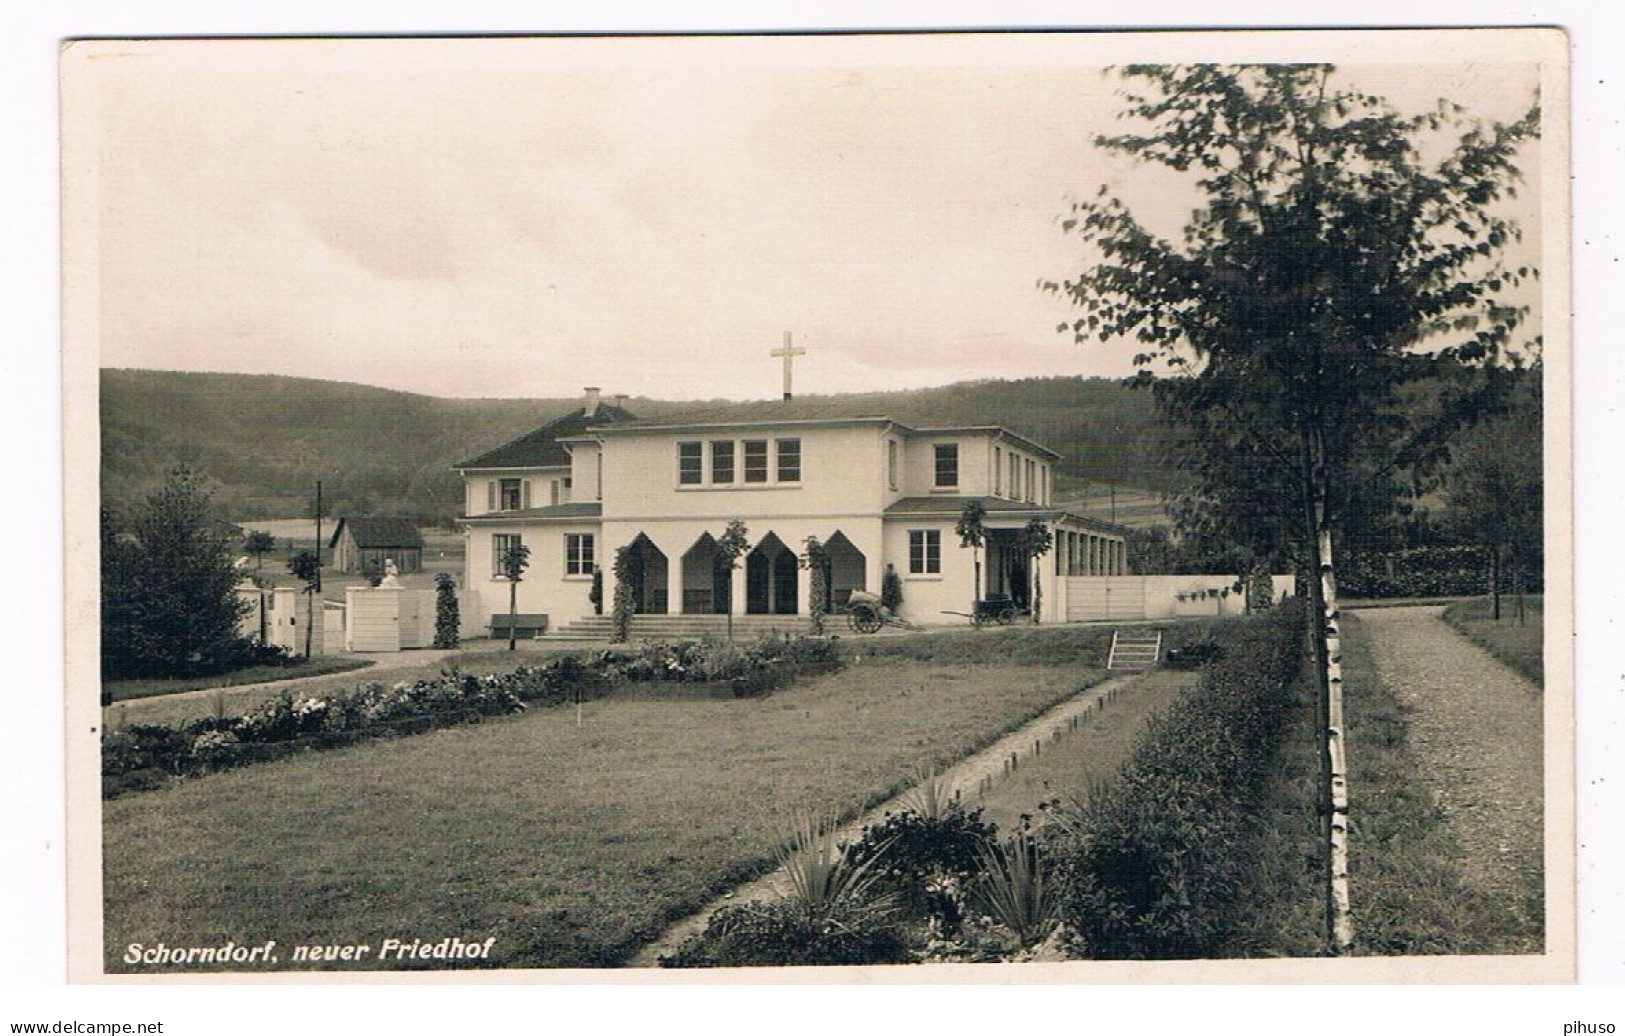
391,574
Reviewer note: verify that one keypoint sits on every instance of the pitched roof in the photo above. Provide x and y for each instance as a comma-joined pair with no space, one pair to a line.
540,448
584,509
379,532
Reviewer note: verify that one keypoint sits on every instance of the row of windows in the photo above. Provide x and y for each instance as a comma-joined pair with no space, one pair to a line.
513,494
578,552
735,461
1019,478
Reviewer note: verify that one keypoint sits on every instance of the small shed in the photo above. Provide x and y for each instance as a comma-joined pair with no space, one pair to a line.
360,544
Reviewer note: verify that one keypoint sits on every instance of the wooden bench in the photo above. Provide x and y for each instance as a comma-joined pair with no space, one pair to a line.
525,627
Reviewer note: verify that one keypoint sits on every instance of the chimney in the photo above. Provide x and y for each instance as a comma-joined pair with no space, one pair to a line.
590,407
620,400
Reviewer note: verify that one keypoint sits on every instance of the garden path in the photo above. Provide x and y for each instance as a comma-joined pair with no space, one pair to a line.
963,778
1476,726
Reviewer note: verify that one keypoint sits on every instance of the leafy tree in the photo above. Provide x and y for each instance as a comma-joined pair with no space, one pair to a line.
595,596
513,563
972,533
1339,251
733,544
169,606
1330,266
307,568
447,614
1495,485
1034,542
259,543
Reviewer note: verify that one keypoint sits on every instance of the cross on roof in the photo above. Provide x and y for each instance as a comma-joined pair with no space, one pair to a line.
789,352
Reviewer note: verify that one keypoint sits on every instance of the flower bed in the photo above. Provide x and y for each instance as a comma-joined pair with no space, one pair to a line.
143,757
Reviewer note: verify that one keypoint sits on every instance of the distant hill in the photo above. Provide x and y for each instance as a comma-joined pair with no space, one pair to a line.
266,439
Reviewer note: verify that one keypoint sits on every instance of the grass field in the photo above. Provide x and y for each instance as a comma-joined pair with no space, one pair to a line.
1069,769
1519,646
125,690
570,844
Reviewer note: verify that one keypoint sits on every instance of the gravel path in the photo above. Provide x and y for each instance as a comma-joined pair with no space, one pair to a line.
1476,728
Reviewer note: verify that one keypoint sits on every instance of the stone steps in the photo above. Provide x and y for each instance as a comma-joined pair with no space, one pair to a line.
1134,650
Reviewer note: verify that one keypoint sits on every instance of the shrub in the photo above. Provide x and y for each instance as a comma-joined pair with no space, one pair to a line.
1015,888
927,859
1157,865
447,618
778,933
891,590
833,914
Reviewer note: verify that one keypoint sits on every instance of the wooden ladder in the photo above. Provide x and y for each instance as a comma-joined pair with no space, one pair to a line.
1134,651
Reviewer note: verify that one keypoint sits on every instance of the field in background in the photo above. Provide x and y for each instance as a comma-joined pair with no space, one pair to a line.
442,552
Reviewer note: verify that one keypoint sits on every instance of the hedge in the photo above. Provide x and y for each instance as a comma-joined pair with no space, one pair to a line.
1157,865
1424,572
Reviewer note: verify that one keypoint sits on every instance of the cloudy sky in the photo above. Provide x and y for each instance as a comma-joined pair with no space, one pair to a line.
521,218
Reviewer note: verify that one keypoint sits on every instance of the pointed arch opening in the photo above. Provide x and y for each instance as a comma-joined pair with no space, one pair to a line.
772,579
848,570
647,574
707,582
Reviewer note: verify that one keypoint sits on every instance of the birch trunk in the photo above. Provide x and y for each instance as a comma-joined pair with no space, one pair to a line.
1342,925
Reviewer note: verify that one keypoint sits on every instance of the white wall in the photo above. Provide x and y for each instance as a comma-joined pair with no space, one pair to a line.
926,597
975,469
842,473
545,589
1156,597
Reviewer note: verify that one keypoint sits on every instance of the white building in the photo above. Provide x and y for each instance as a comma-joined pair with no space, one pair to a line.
876,491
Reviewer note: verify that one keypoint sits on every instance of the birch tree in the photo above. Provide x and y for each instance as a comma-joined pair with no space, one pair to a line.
1337,254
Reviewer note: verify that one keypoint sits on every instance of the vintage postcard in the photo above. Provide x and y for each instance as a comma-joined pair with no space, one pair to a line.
884,507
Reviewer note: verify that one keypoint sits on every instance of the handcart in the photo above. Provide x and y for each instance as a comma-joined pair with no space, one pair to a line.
865,614
996,608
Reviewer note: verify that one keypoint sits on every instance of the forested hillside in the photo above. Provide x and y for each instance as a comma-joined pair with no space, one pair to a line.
265,439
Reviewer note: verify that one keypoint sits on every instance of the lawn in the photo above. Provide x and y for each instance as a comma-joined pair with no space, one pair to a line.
571,845
1071,768
1517,645
125,690
1085,646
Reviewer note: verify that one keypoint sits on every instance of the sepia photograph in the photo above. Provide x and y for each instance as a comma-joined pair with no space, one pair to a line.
902,507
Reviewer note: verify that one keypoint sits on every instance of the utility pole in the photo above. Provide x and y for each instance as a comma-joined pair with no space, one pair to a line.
318,535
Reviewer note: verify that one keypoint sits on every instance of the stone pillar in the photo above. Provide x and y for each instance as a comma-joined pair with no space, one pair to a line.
674,583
